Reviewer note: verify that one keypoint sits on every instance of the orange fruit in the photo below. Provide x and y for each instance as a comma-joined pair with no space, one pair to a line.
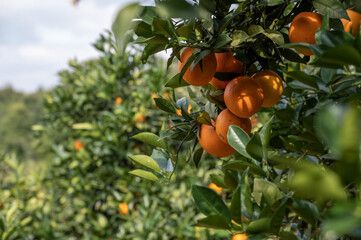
78,145
140,118
303,29
243,96
118,101
355,18
271,85
240,236
198,77
226,63
212,144
215,188
123,208
226,119
179,112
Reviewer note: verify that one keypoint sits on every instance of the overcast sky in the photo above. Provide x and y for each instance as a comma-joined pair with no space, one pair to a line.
38,37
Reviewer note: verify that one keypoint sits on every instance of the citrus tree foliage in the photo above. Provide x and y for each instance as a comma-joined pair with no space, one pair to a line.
86,192
298,175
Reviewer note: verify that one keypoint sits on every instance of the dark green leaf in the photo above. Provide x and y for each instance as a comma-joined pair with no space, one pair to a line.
303,78
174,82
271,2
262,225
209,203
334,8
214,221
162,27
306,210
164,105
218,180
254,147
241,166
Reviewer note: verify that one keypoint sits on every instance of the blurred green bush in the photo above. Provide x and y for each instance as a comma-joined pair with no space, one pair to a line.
90,117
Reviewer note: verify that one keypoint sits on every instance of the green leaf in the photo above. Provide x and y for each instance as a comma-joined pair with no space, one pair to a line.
298,46
231,179
306,210
275,36
334,8
238,139
82,126
143,29
214,221
222,40
303,78
146,161
197,156
268,190
271,2
122,24
204,118
151,49
236,207
262,225
150,138
238,37
162,27
218,179
291,55
154,39
226,21
253,30
144,174
265,133
174,82
278,216
254,147
185,30
241,166
209,203
342,54
164,105
288,236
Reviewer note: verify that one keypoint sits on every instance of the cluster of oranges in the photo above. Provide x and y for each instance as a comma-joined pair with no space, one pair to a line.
243,96
305,25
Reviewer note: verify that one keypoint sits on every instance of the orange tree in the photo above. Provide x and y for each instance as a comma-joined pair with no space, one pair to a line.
298,174
86,191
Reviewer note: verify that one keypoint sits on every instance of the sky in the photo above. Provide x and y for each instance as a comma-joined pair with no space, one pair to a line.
39,37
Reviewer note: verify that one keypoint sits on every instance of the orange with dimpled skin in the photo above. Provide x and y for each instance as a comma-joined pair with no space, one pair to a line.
271,85
226,63
243,96
226,119
212,144
303,29
198,77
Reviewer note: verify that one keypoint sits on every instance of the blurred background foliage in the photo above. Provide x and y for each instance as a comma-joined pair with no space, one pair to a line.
87,121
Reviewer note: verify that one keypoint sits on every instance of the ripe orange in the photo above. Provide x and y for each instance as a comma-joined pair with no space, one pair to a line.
243,96
140,118
118,101
303,29
226,63
78,145
355,18
215,188
240,236
179,112
225,119
123,208
212,144
271,85
198,77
